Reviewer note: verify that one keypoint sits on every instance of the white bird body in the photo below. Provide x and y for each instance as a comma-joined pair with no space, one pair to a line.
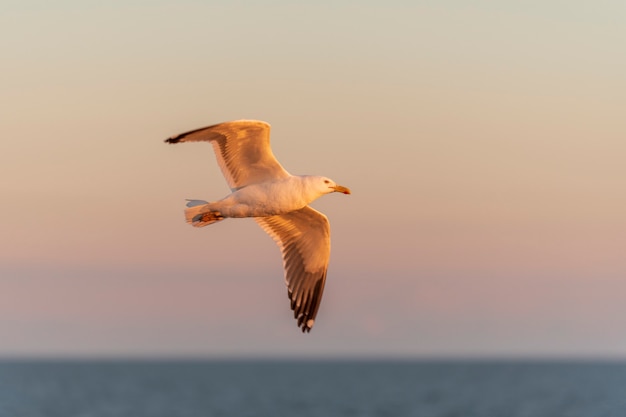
268,198
278,201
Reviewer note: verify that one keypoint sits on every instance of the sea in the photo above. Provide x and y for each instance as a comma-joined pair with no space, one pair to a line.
311,388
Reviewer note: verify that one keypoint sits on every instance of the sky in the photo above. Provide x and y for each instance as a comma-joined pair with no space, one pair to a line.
484,145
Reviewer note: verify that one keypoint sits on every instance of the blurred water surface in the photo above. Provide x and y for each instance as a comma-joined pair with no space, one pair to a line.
311,388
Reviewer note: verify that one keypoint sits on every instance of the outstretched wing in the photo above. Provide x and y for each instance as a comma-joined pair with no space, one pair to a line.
242,149
304,240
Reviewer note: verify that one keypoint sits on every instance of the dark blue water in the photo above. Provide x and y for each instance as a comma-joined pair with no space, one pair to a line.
311,388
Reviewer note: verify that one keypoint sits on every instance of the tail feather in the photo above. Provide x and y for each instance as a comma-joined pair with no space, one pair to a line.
199,214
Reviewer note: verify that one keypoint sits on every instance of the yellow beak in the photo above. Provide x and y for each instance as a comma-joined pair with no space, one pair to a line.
340,189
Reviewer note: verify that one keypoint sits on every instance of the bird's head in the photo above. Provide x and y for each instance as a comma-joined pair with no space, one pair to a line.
327,186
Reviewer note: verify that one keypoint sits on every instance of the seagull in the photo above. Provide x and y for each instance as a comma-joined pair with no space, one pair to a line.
278,201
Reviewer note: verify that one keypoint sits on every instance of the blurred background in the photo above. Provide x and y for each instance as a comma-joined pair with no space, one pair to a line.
484,145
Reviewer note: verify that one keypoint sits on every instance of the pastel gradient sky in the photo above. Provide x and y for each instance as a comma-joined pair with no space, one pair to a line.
485,146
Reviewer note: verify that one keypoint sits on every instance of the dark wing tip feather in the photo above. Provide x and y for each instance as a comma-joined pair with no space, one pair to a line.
305,308
172,140
181,136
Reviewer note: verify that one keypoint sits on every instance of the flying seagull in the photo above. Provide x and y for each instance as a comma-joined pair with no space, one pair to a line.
278,201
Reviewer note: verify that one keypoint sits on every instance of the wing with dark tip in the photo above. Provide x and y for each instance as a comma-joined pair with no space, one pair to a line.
304,240
242,149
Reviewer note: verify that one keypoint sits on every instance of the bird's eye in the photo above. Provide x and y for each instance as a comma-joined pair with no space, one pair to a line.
326,182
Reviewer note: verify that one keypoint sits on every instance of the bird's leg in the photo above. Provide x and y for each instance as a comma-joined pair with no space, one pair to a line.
211,216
